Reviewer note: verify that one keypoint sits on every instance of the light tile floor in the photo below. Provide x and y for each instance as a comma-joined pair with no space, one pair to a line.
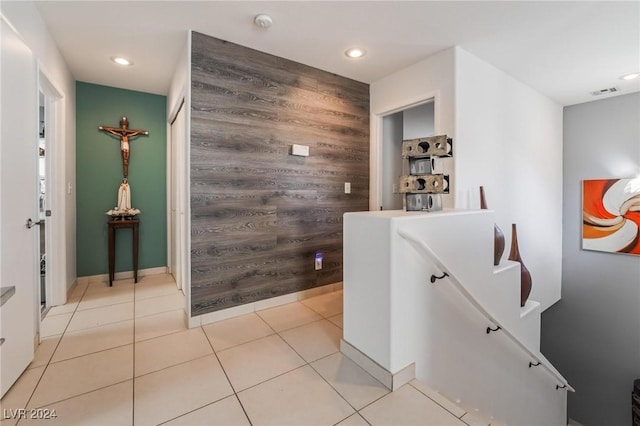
122,355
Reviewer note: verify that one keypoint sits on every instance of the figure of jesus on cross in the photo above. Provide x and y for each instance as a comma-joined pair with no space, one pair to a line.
124,134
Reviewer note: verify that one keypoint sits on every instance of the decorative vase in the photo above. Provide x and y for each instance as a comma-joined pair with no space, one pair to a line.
498,236
525,275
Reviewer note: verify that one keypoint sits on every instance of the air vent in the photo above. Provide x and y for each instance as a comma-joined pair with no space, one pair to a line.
603,91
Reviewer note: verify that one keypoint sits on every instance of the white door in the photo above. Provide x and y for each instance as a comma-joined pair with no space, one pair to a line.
18,143
176,196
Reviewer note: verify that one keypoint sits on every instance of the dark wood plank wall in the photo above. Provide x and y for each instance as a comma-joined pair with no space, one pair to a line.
259,214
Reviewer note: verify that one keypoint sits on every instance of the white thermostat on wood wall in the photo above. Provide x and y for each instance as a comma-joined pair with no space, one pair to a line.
301,150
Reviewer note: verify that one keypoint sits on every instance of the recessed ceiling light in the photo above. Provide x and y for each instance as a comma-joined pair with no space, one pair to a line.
355,53
631,76
121,61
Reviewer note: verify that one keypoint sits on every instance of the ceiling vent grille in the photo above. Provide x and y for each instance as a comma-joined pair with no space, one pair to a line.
603,91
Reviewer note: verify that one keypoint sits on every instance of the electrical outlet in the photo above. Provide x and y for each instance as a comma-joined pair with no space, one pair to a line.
318,262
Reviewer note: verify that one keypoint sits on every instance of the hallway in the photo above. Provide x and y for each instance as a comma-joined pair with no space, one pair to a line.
122,355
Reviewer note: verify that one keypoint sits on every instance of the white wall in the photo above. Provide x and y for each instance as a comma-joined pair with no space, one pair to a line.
391,158
26,19
180,82
509,139
418,121
430,78
592,333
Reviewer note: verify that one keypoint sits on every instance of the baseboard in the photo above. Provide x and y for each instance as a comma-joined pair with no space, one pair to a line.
72,288
572,422
127,274
260,305
392,381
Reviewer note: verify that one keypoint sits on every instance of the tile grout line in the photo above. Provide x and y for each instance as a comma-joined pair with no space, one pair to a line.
334,389
437,403
270,326
287,329
274,333
265,380
81,394
282,338
307,363
357,413
367,405
196,409
133,369
65,332
322,317
104,306
162,312
90,353
46,366
96,326
316,311
226,375
326,317
173,365
249,341
271,378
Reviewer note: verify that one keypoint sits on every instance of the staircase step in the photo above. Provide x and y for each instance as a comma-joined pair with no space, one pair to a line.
502,296
528,330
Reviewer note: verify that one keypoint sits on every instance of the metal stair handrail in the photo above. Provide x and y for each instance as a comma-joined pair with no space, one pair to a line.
537,357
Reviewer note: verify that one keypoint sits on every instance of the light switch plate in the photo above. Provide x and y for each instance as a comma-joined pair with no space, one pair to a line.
300,150
347,187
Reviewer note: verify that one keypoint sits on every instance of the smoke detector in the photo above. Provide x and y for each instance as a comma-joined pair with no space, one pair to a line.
603,91
262,20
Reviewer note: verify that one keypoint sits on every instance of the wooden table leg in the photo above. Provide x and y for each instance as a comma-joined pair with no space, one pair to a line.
112,254
135,253
114,225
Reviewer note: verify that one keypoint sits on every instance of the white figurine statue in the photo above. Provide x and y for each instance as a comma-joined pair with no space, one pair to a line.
124,201
124,196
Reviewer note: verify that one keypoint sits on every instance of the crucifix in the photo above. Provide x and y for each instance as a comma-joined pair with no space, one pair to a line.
124,134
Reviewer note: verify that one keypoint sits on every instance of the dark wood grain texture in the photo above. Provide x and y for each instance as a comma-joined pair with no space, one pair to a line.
258,214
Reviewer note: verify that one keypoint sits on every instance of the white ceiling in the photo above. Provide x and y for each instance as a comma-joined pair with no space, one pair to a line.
564,50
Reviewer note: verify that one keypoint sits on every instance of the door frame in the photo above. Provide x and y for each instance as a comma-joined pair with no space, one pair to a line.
55,244
176,183
377,140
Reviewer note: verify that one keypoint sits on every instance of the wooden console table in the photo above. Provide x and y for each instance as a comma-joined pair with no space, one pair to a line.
120,224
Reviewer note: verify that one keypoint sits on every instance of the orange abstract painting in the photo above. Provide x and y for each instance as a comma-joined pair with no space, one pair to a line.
611,215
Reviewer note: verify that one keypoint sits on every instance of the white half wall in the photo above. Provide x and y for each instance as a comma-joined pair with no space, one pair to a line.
509,140
432,78
26,19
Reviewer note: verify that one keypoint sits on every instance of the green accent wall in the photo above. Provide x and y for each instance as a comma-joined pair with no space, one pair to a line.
99,174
